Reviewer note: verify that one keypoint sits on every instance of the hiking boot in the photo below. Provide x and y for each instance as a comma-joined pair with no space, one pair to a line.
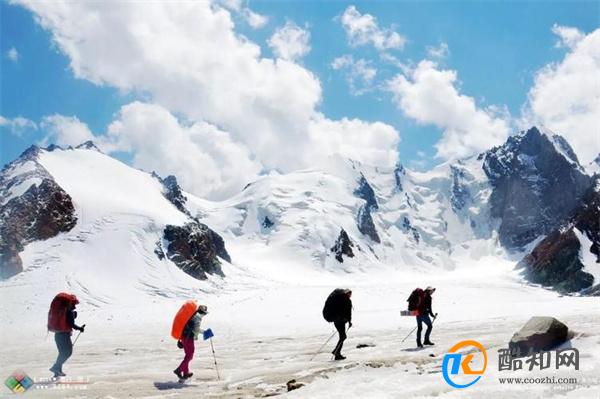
428,343
339,356
188,375
57,372
178,374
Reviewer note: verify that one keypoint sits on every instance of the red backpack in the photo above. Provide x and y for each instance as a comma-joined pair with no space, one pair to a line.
415,299
57,315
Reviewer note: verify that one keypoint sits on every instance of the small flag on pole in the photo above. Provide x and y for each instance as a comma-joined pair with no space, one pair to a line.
207,334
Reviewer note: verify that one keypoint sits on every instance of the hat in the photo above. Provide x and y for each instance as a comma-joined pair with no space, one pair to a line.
430,289
202,309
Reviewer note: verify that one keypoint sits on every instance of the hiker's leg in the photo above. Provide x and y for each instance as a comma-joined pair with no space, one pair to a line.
419,329
340,326
65,349
188,347
427,322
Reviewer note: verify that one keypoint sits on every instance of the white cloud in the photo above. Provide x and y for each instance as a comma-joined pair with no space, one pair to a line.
439,52
64,131
568,36
253,19
242,112
13,55
204,158
362,29
187,57
565,96
430,96
17,125
290,42
372,143
359,73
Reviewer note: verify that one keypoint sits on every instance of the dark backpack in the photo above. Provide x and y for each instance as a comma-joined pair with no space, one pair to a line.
415,299
332,304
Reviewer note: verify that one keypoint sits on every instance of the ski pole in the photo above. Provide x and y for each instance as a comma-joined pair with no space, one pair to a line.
322,346
413,330
215,359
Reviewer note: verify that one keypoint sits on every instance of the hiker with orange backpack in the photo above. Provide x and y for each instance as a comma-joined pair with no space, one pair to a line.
419,304
61,321
186,329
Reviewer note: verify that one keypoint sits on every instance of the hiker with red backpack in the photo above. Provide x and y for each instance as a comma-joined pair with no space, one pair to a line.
186,329
61,321
419,304
338,310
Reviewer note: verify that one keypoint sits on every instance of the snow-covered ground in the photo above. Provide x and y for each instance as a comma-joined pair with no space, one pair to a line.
266,312
266,334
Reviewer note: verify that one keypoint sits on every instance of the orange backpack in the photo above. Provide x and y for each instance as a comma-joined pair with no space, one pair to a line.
184,315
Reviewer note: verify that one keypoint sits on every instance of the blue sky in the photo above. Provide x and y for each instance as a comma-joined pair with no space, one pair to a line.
495,48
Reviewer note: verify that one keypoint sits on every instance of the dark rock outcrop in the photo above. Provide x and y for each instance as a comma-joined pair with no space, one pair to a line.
195,249
365,191
267,223
537,183
555,261
408,227
43,211
172,192
459,194
538,334
343,246
399,173
365,223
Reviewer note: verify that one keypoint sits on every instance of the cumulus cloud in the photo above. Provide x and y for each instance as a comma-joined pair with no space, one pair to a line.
430,96
13,55
237,111
439,52
372,143
253,19
565,96
64,130
359,73
17,125
204,158
568,36
290,42
362,29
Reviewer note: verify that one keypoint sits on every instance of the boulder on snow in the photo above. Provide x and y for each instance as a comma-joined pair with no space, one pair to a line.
293,384
538,334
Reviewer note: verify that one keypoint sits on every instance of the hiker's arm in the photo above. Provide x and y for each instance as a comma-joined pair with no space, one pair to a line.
71,321
431,310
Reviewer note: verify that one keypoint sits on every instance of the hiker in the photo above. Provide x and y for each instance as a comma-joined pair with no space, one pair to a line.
190,333
338,310
423,312
61,321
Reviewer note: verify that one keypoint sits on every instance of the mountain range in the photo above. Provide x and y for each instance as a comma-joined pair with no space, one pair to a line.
77,217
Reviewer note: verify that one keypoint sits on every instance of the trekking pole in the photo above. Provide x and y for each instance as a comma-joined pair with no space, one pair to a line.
215,359
413,330
322,346
77,337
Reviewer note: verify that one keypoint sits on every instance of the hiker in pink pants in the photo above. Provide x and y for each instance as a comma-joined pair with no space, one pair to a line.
189,335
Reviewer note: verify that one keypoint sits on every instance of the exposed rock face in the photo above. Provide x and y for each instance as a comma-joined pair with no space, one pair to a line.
365,191
366,225
42,211
399,172
556,260
364,219
267,223
195,249
407,227
460,193
343,246
538,334
537,182
173,193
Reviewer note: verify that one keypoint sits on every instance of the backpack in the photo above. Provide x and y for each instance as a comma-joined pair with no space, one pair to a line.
57,315
415,299
184,315
332,304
